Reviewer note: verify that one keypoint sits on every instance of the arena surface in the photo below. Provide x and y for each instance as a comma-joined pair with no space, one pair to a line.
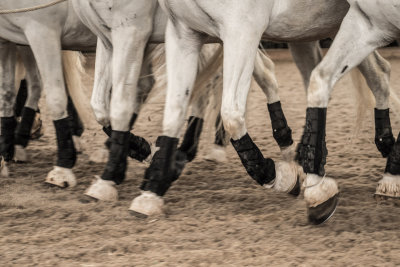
216,215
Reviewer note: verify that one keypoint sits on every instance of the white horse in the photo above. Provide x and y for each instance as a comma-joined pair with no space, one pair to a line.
240,25
47,30
368,25
125,28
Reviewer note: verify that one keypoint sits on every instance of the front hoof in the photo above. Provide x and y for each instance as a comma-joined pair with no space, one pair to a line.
99,156
287,178
217,154
323,212
4,173
20,155
61,177
102,190
321,195
388,187
148,203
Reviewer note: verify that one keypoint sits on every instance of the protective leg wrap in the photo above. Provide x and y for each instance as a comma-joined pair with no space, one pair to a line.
139,148
7,129
74,120
393,161
21,98
66,149
281,131
161,173
311,151
384,139
117,160
191,138
23,131
262,170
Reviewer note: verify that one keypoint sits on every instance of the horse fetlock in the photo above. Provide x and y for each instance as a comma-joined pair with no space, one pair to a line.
234,123
389,186
20,154
261,169
281,131
384,139
287,179
312,151
162,170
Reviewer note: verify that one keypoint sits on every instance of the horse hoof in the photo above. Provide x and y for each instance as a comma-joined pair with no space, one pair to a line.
61,177
20,155
148,203
99,156
102,190
77,144
287,178
4,173
388,187
217,154
323,212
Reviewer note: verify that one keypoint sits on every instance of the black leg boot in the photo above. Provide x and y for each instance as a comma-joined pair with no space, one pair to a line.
23,131
261,169
161,173
281,131
66,149
7,128
384,139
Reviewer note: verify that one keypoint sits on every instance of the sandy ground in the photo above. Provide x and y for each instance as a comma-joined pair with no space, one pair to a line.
216,215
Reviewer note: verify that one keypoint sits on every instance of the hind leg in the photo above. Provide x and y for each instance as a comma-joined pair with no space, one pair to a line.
354,42
7,103
28,113
49,61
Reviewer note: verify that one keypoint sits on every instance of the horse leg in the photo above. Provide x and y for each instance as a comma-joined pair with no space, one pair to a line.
76,125
264,74
376,71
7,102
354,42
28,113
122,105
182,54
306,56
49,61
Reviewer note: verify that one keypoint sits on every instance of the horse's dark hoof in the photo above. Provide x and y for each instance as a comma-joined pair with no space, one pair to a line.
323,212
85,199
296,189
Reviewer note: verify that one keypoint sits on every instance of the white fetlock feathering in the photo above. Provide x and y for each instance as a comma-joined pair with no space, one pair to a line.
217,154
4,169
62,177
389,186
148,203
289,153
287,174
20,154
77,144
319,189
102,190
99,156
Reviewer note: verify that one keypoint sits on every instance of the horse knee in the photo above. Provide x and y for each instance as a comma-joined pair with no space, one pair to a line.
234,123
318,92
57,107
100,113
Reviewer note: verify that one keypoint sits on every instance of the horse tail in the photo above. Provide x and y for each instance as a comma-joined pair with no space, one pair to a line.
20,72
365,100
73,73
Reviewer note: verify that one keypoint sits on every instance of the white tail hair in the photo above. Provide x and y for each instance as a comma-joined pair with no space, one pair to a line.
365,100
74,71
20,72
